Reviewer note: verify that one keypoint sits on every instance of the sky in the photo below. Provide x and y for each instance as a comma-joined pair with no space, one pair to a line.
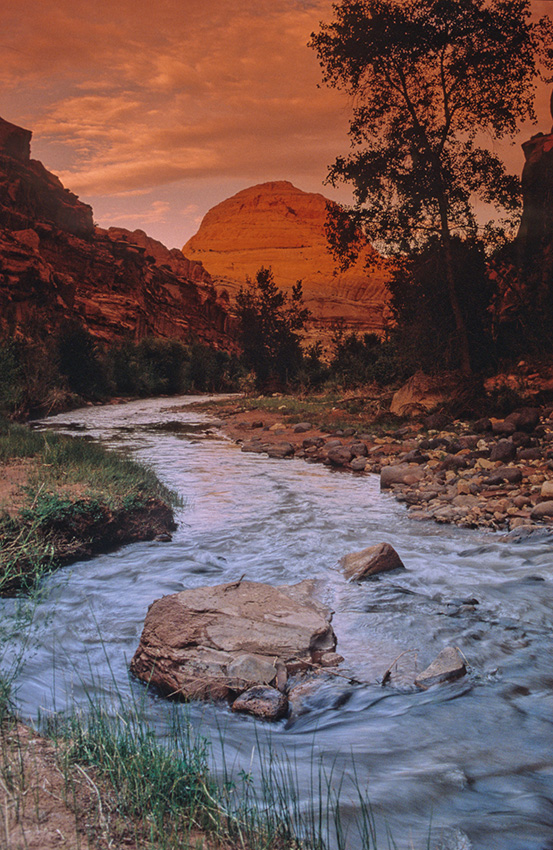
153,111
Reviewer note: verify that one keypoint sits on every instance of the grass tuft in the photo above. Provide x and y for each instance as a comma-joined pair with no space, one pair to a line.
79,499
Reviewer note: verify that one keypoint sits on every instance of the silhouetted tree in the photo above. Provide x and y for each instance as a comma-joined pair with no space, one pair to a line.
428,78
270,328
79,361
424,332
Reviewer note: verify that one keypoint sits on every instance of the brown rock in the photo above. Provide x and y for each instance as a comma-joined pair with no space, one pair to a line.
339,455
267,703
399,474
302,427
381,558
525,419
507,474
543,510
280,450
504,450
547,489
423,392
503,426
256,446
15,142
207,642
448,665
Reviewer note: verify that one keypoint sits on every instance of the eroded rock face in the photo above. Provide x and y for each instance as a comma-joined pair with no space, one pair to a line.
217,642
55,265
279,226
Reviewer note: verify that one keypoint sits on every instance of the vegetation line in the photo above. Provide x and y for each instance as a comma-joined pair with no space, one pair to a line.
70,499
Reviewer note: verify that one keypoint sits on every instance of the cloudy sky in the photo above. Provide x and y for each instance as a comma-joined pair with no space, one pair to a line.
155,110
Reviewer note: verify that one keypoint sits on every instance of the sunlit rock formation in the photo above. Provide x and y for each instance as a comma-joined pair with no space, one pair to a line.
55,265
277,225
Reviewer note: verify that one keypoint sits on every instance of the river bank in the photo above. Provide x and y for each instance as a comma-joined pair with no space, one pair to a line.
494,473
64,499
439,751
101,781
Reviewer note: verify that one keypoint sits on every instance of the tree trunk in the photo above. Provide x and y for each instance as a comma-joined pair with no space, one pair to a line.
460,324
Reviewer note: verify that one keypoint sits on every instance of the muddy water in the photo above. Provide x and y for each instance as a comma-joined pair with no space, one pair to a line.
471,761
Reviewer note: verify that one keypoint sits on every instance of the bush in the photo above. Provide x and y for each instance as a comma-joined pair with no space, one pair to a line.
80,362
362,360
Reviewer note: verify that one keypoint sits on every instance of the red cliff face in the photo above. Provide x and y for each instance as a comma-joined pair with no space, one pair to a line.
277,225
55,265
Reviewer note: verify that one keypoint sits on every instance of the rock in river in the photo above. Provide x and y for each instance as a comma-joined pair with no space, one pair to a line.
448,665
263,702
370,561
217,642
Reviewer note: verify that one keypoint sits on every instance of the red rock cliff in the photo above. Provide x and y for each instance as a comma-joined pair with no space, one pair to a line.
277,225
55,265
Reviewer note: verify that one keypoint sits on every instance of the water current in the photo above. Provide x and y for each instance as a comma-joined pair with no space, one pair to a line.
470,762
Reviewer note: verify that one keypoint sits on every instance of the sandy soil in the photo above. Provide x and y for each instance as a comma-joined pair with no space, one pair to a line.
13,477
47,806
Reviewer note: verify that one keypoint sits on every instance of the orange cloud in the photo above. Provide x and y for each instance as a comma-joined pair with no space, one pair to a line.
128,98
152,93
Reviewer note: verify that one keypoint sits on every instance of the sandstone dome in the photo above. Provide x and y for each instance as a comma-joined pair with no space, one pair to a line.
279,226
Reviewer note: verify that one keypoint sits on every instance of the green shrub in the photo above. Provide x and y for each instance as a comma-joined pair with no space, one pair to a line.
80,362
359,360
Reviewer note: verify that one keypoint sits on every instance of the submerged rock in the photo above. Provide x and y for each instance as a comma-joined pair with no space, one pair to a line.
371,561
267,703
217,642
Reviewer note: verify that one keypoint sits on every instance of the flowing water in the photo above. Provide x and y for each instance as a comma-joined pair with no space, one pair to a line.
470,761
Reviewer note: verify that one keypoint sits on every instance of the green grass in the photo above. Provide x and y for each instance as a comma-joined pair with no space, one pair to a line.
165,790
76,491
328,411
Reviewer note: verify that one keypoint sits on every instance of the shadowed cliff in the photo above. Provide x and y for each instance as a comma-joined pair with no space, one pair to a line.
55,265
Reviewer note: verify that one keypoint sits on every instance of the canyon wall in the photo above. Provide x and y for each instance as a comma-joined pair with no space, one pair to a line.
55,266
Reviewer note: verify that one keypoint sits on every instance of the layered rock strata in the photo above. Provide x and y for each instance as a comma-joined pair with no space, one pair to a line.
55,265
279,226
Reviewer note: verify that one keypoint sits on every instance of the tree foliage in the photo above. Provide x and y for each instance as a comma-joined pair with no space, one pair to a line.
430,78
270,328
424,331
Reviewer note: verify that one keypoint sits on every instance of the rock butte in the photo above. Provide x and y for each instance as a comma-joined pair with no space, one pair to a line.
55,265
279,226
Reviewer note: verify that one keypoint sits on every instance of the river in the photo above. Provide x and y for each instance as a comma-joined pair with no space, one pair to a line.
470,762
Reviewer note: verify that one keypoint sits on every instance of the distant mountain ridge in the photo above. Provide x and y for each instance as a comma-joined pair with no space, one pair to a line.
55,265
278,225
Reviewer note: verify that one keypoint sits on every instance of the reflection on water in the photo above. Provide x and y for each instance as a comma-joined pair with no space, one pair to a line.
473,758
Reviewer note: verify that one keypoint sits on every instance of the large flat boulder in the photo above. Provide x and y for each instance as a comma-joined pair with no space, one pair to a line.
218,642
